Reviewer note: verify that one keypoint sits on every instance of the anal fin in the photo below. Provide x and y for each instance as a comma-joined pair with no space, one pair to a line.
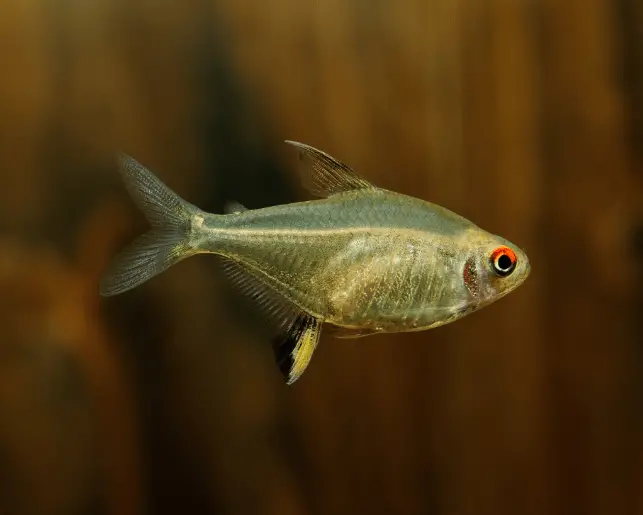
295,346
295,333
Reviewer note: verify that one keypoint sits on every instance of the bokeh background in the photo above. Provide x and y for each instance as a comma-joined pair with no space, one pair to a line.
525,116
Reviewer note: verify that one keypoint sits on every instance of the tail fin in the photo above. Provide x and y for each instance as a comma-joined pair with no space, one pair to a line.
166,243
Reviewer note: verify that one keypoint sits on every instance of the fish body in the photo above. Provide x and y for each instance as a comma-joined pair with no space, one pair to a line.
373,260
360,259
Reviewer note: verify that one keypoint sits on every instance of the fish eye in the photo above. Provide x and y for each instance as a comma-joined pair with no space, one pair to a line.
503,260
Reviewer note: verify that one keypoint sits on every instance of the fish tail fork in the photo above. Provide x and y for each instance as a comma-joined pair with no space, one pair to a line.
166,243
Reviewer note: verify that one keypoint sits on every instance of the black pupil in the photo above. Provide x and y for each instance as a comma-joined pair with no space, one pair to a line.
504,262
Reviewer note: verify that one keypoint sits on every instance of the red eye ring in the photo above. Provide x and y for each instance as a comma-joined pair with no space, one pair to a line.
503,261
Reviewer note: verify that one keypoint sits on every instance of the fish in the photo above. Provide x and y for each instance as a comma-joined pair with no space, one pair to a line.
355,261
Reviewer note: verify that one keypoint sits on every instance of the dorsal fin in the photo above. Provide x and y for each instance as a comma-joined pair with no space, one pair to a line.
295,333
324,175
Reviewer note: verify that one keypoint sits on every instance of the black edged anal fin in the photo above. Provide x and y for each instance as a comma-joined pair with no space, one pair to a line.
294,332
295,346
324,175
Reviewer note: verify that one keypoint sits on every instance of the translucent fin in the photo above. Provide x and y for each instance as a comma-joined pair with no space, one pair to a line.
233,207
347,333
160,205
324,175
295,333
167,243
277,310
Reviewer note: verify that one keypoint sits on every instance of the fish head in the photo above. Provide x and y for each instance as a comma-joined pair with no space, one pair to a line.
494,268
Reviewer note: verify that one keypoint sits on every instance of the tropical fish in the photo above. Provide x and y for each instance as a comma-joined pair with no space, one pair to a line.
357,261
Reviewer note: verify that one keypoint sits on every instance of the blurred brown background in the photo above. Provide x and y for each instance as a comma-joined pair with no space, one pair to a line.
525,116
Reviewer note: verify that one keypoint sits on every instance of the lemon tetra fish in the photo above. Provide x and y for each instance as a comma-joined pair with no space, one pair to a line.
359,260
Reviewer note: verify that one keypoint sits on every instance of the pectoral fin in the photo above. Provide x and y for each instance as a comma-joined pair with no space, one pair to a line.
348,333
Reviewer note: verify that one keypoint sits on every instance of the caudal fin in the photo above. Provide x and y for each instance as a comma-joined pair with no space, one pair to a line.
166,243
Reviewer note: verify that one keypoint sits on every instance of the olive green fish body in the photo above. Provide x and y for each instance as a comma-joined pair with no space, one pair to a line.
373,259
359,259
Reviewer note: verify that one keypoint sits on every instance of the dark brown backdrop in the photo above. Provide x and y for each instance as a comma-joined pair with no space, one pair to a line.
524,115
